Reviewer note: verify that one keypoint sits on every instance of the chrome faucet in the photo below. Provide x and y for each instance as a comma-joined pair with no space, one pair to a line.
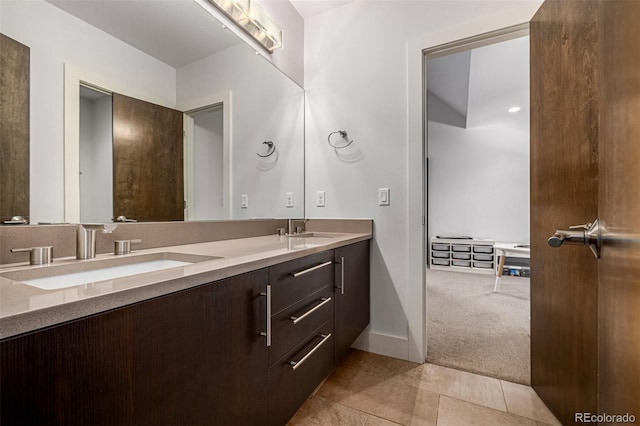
291,230
86,238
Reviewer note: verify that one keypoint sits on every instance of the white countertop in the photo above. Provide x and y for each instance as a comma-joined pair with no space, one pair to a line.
25,308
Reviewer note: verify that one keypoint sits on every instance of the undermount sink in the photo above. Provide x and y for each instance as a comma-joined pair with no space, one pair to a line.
311,235
78,273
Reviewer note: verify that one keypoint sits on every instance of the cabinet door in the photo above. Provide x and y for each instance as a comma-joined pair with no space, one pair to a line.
199,357
192,357
351,295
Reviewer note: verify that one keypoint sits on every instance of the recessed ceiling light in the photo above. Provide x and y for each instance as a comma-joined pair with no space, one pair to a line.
514,109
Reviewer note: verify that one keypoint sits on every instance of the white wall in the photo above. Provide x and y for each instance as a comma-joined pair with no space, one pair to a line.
208,164
55,38
96,160
357,78
479,180
479,175
265,106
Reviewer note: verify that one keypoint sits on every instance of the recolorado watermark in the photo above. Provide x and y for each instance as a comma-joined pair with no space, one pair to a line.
604,418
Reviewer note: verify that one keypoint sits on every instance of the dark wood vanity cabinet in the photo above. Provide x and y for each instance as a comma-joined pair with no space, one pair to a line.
351,295
197,356
301,353
192,357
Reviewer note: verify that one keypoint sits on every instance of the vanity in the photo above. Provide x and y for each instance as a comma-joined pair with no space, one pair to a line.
243,336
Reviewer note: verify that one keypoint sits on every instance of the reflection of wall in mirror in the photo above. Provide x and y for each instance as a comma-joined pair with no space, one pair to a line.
208,159
38,24
266,106
96,160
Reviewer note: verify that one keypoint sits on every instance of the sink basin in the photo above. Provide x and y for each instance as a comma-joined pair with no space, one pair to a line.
78,273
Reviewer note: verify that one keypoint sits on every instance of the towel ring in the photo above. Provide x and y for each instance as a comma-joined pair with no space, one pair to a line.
270,150
343,135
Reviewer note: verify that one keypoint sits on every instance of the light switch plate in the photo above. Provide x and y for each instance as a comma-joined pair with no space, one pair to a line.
384,196
289,199
244,201
320,198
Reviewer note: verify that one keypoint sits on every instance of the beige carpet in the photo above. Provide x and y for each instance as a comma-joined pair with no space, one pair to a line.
471,328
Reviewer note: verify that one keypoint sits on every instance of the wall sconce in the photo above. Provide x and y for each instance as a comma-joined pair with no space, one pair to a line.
251,18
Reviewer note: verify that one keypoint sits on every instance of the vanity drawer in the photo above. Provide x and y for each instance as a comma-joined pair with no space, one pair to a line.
294,280
295,323
289,388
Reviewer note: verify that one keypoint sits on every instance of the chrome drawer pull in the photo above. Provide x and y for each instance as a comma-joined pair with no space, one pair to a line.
296,364
324,300
267,334
306,271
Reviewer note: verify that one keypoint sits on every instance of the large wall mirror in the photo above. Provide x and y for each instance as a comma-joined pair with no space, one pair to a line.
243,119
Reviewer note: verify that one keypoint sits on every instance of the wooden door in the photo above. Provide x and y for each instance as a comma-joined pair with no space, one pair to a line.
14,129
584,165
564,186
619,210
148,179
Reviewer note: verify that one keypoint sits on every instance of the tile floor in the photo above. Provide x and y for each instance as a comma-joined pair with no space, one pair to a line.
369,389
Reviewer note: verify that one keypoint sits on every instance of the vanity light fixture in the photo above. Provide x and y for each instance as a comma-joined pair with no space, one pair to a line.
251,18
514,109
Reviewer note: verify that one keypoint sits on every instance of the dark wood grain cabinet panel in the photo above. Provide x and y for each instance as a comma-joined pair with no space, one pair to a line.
289,388
291,282
193,357
14,128
351,295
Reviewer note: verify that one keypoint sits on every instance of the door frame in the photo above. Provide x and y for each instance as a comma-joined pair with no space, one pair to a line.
190,108
416,301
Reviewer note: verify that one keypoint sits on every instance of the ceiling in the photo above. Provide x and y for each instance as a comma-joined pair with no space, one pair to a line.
309,8
177,32
482,84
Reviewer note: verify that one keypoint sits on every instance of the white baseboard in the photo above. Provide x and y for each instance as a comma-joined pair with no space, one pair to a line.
383,344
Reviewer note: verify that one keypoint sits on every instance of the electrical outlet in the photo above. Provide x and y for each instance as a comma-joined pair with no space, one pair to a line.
289,199
244,201
320,198
384,196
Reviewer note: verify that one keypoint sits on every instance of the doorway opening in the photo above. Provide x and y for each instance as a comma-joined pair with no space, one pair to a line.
477,205
96,155
206,146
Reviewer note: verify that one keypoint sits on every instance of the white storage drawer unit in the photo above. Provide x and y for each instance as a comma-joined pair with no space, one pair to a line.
465,255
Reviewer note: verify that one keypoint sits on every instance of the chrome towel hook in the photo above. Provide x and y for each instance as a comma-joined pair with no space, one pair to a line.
343,134
270,150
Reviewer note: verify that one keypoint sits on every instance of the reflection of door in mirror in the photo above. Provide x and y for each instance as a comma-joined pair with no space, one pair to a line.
14,129
148,180
96,156
204,164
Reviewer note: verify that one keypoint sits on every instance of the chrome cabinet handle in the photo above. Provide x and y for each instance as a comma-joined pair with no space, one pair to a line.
588,234
306,271
342,274
296,364
267,334
323,302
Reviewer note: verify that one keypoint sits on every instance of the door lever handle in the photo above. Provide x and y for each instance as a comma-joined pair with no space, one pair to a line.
588,234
